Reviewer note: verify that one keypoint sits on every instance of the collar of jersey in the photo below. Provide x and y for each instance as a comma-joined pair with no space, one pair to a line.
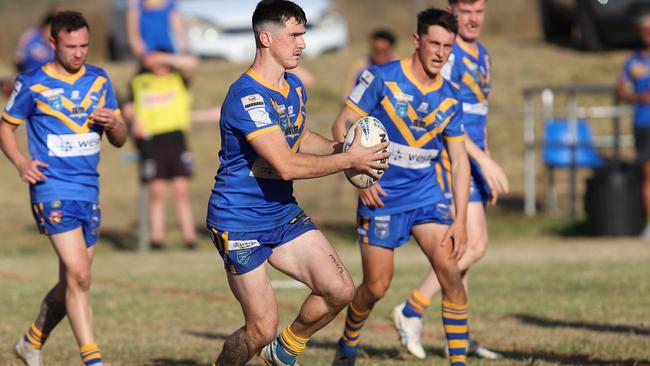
406,69
49,70
256,77
465,47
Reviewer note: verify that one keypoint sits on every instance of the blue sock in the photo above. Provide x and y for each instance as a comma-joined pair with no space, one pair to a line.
350,351
282,354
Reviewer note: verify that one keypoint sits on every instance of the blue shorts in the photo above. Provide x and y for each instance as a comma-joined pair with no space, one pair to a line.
60,216
479,190
244,251
393,231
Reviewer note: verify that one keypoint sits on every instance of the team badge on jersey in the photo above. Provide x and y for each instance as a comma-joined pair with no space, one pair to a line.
365,80
54,98
402,106
289,128
382,226
243,256
256,108
55,217
639,70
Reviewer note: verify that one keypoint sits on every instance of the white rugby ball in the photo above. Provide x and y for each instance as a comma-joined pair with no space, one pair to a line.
373,133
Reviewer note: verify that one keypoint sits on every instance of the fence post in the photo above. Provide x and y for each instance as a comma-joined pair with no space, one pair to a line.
529,154
143,218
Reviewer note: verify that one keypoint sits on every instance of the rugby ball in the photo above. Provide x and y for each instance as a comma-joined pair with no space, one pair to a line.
373,133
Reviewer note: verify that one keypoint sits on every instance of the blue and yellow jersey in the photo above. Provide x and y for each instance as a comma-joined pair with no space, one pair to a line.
34,50
417,118
248,195
636,71
472,71
60,132
155,25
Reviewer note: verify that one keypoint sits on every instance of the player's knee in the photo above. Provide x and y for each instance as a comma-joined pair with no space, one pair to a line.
342,294
477,248
262,331
337,293
377,289
447,271
79,279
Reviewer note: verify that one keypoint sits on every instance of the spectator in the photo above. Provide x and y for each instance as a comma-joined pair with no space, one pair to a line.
634,86
159,116
34,48
156,36
382,50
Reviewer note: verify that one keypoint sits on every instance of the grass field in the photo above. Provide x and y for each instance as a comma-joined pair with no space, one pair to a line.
539,302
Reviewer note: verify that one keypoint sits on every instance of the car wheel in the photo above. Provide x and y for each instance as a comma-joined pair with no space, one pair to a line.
586,35
555,18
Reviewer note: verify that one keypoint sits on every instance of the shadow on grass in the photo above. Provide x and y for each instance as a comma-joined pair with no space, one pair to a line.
207,335
172,362
374,352
566,359
367,350
597,327
120,239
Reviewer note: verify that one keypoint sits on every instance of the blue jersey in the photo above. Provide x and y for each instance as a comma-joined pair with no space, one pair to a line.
34,50
637,72
416,118
472,71
248,195
60,133
155,26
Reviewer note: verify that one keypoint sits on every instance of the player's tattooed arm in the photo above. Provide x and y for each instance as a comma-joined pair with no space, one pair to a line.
343,122
348,124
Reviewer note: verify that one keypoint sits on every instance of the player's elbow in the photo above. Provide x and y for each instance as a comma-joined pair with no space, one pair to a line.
118,141
286,173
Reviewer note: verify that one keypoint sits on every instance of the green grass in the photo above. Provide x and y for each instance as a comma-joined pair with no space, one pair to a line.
537,301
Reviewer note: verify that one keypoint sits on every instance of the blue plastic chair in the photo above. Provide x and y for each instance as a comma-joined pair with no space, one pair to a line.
557,145
557,152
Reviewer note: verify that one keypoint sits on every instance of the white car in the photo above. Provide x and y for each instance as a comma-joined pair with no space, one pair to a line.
222,28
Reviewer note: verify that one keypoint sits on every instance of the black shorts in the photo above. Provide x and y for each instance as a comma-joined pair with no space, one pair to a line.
164,156
642,143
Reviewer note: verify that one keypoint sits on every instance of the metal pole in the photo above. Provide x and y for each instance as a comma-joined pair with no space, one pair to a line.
529,155
143,218
547,115
572,109
617,131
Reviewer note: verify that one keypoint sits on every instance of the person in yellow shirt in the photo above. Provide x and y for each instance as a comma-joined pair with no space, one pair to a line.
159,114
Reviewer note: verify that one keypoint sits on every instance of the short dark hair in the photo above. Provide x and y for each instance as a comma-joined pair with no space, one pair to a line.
278,12
454,2
434,16
68,21
48,17
384,34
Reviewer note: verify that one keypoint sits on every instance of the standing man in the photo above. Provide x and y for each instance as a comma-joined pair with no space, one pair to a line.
159,117
421,111
469,67
252,215
67,107
634,87
157,36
